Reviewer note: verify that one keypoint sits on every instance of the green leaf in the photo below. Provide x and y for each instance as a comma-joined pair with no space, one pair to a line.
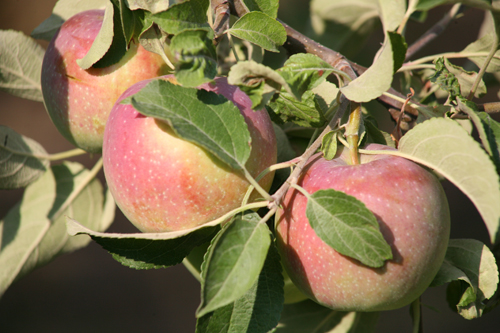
443,145
337,23
190,14
346,225
492,135
391,13
308,316
199,116
149,5
305,113
62,11
470,261
487,128
455,80
20,162
75,197
152,38
258,310
139,252
270,7
110,37
233,262
24,226
260,29
196,56
304,72
128,22
484,44
446,81
258,81
20,65
378,77
329,145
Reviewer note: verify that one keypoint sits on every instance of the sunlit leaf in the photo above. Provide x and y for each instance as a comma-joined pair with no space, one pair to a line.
346,225
260,29
20,65
199,116
21,159
443,145
233,263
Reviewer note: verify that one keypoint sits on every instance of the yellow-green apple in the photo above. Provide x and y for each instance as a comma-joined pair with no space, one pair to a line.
79,101
411,208
164,183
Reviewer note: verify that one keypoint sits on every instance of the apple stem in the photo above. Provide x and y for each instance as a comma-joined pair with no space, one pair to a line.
416,313
288,164
301,190
52,157
257,186
352,131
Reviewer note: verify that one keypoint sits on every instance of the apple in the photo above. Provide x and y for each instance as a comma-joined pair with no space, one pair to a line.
164,183
79,101
412,210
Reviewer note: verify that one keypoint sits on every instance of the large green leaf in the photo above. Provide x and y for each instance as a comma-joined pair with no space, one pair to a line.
443,145
138,252
258,310
190,14
20,65
199,116
233,262
337,23
470,261
484,44
346,225
24,226
378,77
62,11
21,159
304,72
110,38
33,234
260,29
75,197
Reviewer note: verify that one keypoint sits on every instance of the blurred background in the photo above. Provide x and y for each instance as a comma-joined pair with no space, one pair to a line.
89,291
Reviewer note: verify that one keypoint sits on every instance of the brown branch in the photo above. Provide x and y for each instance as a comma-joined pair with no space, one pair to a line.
434,31
298,43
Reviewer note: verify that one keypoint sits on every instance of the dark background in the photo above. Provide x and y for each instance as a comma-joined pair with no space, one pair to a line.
89,291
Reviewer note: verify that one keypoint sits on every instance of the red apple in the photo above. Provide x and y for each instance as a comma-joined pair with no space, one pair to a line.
79,101
412,210
164,183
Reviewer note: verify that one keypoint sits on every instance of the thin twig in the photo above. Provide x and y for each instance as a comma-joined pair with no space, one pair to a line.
493,50
434,31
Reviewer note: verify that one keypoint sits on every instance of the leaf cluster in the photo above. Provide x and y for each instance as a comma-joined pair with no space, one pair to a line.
235,257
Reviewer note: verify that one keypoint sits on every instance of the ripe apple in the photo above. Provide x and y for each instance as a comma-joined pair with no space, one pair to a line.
411,208
79,101
164,183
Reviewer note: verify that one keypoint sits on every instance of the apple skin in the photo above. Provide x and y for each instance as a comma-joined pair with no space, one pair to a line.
414,219
79,101
164,183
